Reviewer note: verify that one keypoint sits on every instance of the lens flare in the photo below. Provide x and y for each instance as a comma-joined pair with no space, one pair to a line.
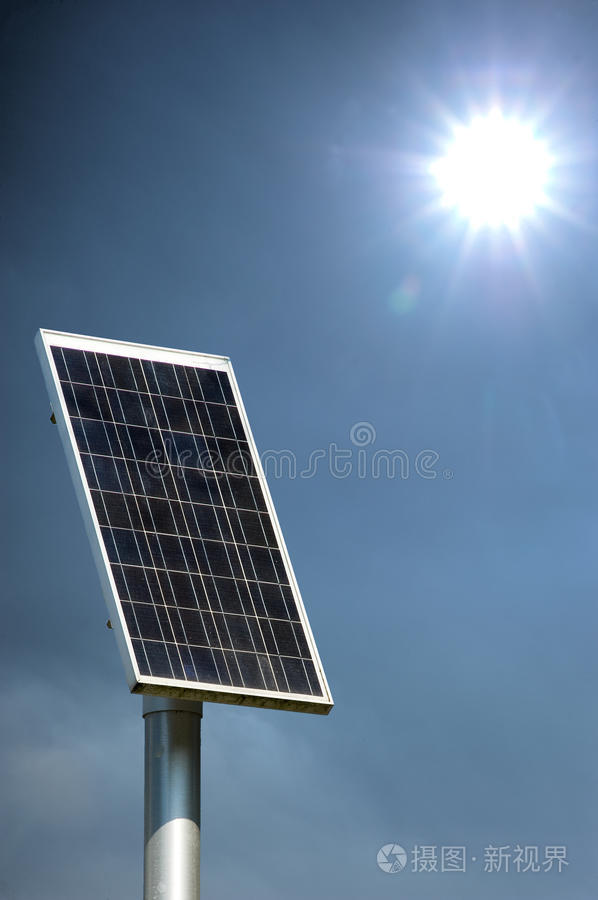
405,296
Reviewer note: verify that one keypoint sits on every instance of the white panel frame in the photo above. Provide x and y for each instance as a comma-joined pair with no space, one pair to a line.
144,684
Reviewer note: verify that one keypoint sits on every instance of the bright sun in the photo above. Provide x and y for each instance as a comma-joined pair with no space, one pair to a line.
495,171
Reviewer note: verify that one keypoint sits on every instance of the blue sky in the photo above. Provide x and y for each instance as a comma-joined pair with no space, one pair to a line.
243,179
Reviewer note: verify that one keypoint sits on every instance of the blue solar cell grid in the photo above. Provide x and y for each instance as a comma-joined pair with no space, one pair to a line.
200,576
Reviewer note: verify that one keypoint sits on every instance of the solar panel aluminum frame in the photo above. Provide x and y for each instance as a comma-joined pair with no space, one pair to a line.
147,684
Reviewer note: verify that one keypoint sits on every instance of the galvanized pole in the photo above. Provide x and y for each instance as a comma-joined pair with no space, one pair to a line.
172,798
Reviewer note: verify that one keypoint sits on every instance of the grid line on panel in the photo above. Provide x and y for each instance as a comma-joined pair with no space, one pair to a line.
133,392
229,548
222,606
186,666
184,469
198,567
145,567
266,675
93,465
189,507
86,362
211,601
154,385
171,662
227,453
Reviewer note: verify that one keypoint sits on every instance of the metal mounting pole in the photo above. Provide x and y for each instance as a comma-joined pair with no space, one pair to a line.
172,798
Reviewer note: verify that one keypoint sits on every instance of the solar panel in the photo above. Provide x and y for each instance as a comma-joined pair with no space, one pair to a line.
194,569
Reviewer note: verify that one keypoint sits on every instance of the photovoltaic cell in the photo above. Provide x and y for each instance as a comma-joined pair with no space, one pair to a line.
204,589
